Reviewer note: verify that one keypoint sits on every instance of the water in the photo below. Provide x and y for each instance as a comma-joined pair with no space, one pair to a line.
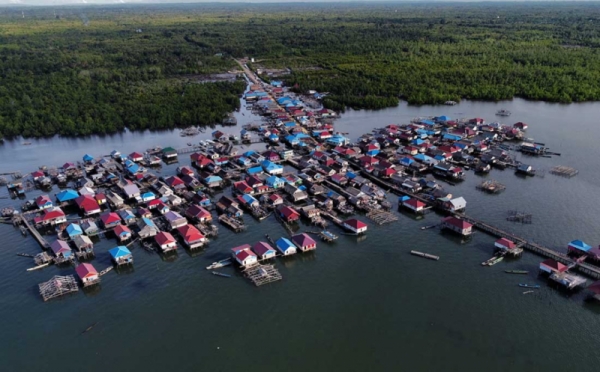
354,305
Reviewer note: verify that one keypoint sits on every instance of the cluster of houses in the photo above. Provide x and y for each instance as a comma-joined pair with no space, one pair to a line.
248,256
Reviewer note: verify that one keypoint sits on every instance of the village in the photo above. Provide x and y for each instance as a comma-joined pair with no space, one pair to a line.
308,171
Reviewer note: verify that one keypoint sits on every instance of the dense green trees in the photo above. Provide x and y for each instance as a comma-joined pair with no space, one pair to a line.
140,67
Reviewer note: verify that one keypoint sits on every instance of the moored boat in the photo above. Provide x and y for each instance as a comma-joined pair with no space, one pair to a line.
524,285
516,271
221,274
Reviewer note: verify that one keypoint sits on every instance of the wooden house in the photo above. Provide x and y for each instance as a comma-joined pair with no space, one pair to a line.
121,255
355,226
244,256
122,232
84,245
264,251
457,225
147,228
87,274
62,251
304,242
285,246
288,214
191,236
165,241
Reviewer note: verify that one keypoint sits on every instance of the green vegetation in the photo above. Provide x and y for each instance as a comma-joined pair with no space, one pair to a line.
102,69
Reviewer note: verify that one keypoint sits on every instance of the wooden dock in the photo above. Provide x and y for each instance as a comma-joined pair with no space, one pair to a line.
533,247
36,234
232,223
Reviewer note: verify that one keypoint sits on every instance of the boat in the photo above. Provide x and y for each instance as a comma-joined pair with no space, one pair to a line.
495,261
450,103
219,264
189,144
524,285
503,112
221,274
516,271
26,143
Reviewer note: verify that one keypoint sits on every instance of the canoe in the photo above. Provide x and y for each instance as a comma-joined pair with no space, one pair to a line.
221,274
516,271
529,285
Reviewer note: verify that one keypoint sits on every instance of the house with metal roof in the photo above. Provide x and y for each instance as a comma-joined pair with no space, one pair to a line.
67,195
304,242
578,247
122,232
62,251
84,245
73,230
198,213
264,251
87,274
354,225
285,246
244,255
175,219
121,255
275,182
457,225
147,228
191,236
272,168
43,202
165,241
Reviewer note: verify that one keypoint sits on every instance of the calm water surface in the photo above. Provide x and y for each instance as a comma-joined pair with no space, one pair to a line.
356,305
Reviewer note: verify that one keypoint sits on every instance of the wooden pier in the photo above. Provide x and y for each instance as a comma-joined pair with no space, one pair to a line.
584,268
36,234
232,223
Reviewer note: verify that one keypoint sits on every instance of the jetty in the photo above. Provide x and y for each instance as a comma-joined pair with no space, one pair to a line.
233,223
36,234
584,268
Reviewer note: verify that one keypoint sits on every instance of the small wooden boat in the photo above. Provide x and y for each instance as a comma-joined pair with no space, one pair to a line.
221,274
524,285
516,271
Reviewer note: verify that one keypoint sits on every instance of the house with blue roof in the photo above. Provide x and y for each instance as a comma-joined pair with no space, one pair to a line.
452,137
275,182
67,195
249,200
213,181
578,246
276,83
254,170
442,119
338,140
406,161
121,255
133,169
271,168
88,158
428,123
73,230
274,138
147,196
127,216
249,153
285,246
243,161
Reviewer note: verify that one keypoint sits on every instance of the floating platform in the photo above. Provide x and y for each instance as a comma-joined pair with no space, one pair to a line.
262,274
425,255
564,171
58,286
491,186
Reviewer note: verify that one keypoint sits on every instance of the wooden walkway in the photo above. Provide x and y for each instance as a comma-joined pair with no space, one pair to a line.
36,234
533,247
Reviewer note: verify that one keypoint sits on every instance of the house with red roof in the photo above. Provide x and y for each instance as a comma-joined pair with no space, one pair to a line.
244,256
88,205
191,236
175,183
274,200
136,157
414,205
339,179
242,187
264,251
505,245
201,161
551,266
354,225
122,232
100,198
184,170
457,225
51,216
198,213
288,214
304,242
367,161
165,241
110,220
271,155
37,175
43,202
88,274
